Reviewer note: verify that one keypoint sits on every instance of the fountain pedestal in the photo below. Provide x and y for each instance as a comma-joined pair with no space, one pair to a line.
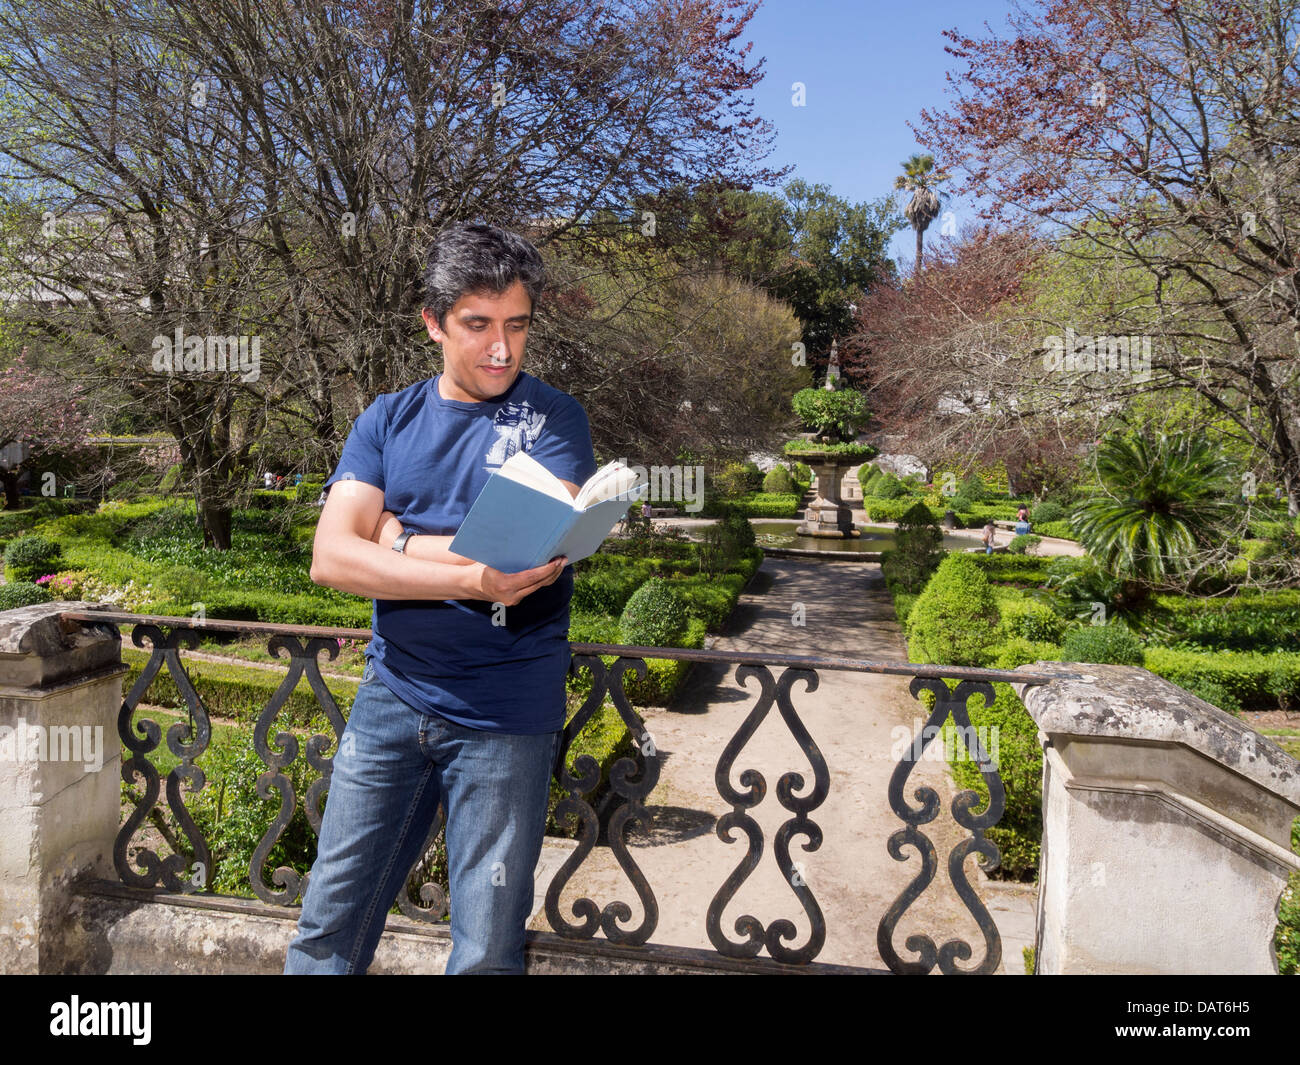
828,515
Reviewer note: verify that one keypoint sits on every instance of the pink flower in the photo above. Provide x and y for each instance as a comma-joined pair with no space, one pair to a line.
46,579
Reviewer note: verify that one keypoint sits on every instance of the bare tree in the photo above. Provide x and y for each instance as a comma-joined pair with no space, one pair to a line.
274,173
1159,140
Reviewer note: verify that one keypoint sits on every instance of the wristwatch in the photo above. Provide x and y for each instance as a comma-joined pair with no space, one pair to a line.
399,545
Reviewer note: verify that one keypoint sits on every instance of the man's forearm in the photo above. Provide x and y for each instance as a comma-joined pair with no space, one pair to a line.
363,567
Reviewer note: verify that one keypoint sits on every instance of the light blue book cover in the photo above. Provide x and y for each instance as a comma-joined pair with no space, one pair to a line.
514,526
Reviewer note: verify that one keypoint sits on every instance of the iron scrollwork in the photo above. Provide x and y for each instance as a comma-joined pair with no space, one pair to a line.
948,702
630,779
185,739
756,937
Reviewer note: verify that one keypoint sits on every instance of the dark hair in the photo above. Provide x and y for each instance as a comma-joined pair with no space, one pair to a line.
471,257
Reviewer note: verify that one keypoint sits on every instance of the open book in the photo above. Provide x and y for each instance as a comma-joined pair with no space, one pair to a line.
525,517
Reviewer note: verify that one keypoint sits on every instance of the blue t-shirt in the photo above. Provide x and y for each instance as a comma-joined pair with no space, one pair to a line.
431,457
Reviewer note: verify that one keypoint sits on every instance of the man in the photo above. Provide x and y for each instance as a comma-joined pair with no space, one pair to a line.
462,700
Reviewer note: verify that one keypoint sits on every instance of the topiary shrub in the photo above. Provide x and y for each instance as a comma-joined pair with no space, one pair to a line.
888,487
778,479
973,488
956,617
919,549
1021,544
655,616
1102,644
734,480
22,593
1049,511
1031,620
738,529
29,557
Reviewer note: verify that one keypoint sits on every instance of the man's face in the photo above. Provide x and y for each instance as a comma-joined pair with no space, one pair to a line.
483,344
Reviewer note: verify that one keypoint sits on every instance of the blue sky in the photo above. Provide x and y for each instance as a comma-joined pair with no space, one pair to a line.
869,68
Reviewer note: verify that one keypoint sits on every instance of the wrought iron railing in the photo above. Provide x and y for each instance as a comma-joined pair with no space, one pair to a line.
631,780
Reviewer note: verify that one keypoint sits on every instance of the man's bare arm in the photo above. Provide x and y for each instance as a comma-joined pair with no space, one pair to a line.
427,547
344,556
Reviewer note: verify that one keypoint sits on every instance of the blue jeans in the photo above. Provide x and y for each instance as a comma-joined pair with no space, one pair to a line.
393,766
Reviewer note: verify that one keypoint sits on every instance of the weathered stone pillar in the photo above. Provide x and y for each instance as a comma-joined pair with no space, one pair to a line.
60,774
1166,828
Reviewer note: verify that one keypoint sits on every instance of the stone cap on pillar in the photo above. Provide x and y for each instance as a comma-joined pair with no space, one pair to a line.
1128,703
40,650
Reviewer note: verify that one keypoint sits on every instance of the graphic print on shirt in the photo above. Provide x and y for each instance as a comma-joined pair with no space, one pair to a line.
517,427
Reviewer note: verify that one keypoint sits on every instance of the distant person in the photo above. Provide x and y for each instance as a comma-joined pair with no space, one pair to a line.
1022,520
990,531
645,513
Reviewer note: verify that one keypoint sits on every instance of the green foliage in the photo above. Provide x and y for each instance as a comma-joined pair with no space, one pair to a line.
1031,620
894,509
1048,511
726,541
1286,940
234,818
1019,833
235,691
954,620
1166,499
755,505
1244,623
173,480
735,480
918,549
29,557
778,481
839,414
1114,644
1015,569
974,489
1061,530
309,489
1255,681
655,615
887,486
664,675
22,593
1214,693
1019,545
847,450
606,590
802,474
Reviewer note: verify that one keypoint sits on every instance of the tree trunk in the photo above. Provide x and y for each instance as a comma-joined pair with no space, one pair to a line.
920,238
12,500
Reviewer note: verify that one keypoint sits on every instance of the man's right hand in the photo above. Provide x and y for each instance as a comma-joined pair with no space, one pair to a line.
510,588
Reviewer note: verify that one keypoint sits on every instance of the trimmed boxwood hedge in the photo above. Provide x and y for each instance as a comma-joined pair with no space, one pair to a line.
1257,681
238,692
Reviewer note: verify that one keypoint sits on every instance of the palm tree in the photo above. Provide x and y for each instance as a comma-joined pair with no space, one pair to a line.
1167,498
920,178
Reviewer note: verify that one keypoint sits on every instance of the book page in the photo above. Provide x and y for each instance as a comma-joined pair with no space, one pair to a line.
523,469
611,480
